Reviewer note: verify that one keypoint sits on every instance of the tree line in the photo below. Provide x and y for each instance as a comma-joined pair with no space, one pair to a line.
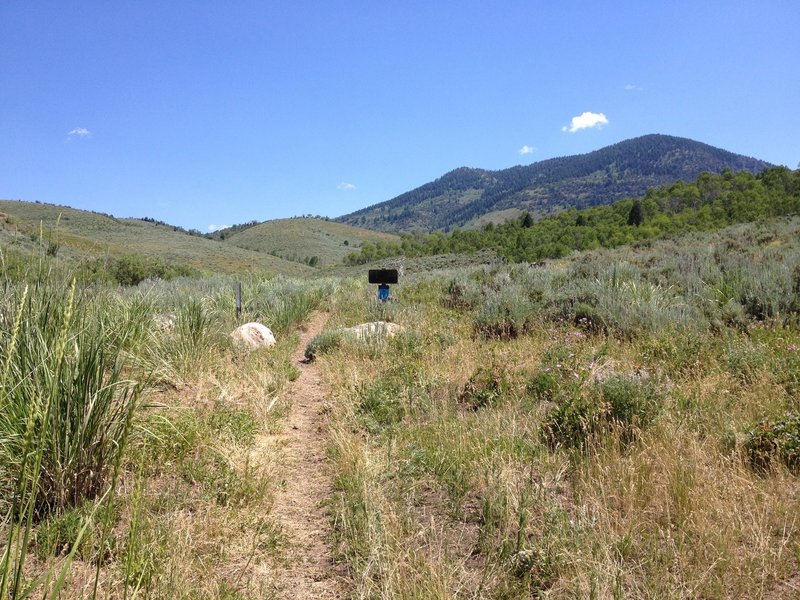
708,203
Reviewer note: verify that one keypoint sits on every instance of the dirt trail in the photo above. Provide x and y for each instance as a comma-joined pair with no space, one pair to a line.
309,571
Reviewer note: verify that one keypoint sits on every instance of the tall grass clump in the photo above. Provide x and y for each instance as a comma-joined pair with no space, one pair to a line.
175,354
631,306
283,303
65,415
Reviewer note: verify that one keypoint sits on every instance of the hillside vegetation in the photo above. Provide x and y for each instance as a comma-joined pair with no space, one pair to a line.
313,241
622,424
710,202
617,423
466,196
76,234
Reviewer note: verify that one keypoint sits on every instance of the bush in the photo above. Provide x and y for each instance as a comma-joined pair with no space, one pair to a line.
486,387
542,386
572,421
58,533
505,313
630,402
325,342
461,294
787,370
132,269
379,405
588,317
623,403
775,439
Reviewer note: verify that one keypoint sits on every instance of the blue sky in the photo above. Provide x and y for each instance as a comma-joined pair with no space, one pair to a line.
205,113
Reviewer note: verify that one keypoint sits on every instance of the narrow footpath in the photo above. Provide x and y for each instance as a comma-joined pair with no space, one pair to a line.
309,569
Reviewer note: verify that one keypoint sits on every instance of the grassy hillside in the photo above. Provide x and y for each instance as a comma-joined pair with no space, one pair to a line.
73,233
301,239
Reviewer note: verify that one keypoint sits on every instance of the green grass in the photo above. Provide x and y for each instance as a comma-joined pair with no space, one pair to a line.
300,239
83,234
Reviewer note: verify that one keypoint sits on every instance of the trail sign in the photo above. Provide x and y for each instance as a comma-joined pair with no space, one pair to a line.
383,277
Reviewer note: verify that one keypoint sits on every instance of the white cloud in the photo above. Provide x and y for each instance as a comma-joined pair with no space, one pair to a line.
213,227
527,150
632,87
345,186
79,132
586,120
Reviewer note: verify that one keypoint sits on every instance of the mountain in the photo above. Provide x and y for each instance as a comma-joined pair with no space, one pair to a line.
303,239
468,197
80,234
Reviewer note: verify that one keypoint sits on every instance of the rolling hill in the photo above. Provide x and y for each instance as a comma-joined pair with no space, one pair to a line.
82,234
468,197
302,239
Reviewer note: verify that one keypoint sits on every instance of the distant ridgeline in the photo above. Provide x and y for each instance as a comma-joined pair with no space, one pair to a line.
710,202
468,197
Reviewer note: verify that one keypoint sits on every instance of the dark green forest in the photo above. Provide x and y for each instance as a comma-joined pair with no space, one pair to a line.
708,203
623,170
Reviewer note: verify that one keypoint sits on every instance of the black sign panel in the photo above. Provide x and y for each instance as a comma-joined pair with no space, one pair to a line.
383,276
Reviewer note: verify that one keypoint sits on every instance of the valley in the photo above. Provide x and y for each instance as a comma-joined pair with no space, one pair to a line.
618,419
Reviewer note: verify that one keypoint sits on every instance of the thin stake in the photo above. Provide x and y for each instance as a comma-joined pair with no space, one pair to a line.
238,301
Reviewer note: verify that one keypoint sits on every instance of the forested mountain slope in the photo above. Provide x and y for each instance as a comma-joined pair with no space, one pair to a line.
709,203
627,169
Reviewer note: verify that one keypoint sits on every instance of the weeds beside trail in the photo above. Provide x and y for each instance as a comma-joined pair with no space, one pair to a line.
128,430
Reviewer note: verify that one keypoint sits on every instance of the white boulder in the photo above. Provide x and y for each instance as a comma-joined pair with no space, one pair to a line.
252,336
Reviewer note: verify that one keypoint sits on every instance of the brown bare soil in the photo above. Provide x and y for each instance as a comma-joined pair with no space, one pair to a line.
309,570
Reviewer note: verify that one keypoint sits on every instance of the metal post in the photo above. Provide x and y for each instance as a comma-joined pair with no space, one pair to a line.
238,289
